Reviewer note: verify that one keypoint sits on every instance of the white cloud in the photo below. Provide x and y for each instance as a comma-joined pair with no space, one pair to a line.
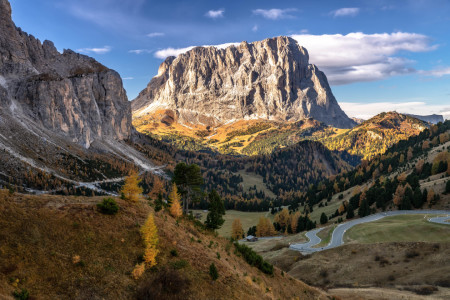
214,14
164,53
355,57
363,57
155,34
275,13
345,12
255,28
102,50
367,110
140,51
128,78
439,72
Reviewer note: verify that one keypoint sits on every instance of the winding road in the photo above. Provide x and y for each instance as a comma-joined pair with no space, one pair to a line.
337,238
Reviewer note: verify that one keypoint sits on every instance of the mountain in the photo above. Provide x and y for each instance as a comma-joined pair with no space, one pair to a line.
375,135
433,119
69,93
270,79
65,119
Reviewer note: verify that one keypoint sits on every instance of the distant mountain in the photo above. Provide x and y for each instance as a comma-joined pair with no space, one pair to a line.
357,120
270,80
375,135
433,119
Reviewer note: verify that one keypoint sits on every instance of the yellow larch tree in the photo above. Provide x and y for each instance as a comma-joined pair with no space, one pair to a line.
149,233
174,200
237,232
131,190
282,218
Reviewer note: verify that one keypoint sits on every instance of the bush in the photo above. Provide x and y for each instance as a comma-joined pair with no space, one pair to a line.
253,259
180,264
174,252
21,295
108,206
411,254
213,272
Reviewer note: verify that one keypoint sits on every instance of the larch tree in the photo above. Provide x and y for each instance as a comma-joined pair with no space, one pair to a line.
237,232
131,190
149,233
174,200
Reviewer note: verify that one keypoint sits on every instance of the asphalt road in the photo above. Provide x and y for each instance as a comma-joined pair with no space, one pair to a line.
337,238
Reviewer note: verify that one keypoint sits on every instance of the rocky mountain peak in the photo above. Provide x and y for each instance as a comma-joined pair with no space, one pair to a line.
71,94
270,79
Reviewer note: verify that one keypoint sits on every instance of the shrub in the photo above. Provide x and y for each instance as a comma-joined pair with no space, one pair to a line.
213,272
174,252
180,264
21,295
411,254
253,259
108,206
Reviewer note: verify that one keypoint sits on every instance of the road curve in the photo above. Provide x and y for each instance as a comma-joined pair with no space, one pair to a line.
337,238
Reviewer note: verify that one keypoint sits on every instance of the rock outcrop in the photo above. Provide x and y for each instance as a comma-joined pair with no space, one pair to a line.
69,93
271,79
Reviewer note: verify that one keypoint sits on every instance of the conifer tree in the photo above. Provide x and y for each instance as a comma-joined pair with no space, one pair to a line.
323,218
175,207
149,234
131,189
216,209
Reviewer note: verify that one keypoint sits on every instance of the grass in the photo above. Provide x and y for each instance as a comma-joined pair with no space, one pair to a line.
325,236
409,228
248,219
61,247
251,179
328,210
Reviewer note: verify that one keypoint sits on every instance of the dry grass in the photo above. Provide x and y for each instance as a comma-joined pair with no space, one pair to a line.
383,265
42,237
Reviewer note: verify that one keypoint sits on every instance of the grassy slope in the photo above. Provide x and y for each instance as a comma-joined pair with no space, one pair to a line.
248,219
411,228
325,236
40,235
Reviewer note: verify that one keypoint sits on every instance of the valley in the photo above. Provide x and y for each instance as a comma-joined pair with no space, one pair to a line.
234,172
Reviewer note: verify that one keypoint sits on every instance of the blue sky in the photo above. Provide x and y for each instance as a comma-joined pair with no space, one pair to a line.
378,55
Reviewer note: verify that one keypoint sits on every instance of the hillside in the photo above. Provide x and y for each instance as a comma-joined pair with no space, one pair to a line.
255,137
412,174
376,135
62,247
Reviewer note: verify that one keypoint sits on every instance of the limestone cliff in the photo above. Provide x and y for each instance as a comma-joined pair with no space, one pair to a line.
270,79
69,93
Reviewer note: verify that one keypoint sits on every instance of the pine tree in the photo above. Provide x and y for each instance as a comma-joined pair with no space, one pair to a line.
175,207
216,209
237,232
350,212
364,209
131,189
417,198
149,234
159,203
323,218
